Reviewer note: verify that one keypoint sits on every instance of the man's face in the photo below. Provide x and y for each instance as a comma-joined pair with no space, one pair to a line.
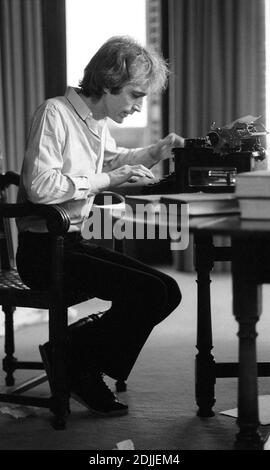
129,100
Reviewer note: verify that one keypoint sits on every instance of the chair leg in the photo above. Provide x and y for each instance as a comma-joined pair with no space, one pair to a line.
57,336
60,409
9,361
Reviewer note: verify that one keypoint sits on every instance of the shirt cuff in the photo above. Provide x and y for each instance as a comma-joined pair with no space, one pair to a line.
89,185
98,182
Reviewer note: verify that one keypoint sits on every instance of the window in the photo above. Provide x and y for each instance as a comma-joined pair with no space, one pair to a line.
89,24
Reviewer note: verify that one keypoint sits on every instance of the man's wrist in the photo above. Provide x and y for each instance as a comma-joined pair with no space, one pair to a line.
152,153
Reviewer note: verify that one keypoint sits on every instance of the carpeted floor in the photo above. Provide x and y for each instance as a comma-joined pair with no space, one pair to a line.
160,390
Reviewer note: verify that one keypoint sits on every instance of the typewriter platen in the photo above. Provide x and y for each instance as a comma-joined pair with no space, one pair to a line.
210,164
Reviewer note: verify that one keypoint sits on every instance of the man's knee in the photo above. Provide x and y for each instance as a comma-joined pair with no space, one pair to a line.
174,294
172,298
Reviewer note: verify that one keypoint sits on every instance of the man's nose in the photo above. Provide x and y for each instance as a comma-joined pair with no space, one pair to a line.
138,106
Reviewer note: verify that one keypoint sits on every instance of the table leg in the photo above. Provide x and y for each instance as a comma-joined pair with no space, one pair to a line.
246,307
205,364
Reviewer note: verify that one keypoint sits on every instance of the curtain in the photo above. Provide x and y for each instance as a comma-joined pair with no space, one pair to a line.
54,47
217,60
32,68
21,75
216,51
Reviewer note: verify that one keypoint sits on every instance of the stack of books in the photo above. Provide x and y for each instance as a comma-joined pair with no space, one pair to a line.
253,193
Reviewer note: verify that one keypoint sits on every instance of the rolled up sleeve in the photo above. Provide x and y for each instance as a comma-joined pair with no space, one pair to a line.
115,156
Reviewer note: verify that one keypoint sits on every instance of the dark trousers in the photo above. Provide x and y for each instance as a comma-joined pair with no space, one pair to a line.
141,297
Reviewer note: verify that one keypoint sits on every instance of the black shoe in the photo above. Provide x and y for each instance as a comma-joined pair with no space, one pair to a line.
91,391
75,330
86,322
88,389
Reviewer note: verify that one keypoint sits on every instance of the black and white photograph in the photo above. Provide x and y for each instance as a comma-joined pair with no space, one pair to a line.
134,230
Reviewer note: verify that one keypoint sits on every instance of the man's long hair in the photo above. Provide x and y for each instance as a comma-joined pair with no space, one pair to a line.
119,61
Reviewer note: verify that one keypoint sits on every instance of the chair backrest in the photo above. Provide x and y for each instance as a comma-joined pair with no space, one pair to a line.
7,256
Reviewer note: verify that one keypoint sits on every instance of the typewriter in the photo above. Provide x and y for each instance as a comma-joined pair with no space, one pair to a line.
210,164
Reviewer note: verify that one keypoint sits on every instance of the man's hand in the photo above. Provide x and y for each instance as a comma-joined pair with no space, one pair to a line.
163,148
130,173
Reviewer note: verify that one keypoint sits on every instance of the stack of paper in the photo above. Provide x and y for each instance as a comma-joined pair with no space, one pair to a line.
202,203
264,410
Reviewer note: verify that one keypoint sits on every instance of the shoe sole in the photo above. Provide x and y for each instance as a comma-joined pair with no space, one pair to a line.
98,412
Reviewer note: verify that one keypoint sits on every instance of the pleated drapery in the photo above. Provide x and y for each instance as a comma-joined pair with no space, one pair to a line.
21,75
216,51
217,59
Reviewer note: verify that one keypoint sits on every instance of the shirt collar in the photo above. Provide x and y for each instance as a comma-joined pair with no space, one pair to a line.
85,113
78,104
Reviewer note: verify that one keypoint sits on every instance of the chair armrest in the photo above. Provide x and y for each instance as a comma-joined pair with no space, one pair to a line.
10,177
57,219
104,196
110,202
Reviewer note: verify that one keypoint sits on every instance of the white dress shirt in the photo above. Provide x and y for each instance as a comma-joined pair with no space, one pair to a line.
68,155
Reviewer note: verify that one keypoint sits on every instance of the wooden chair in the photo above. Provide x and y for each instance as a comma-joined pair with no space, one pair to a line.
13,293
